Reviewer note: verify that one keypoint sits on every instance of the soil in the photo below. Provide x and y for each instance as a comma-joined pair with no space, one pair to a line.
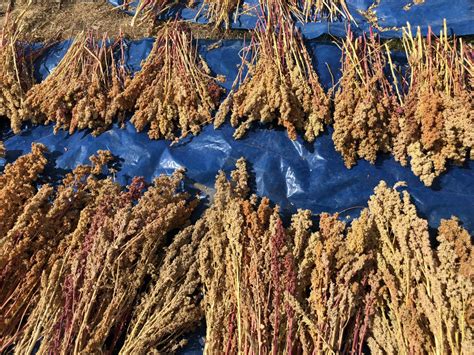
53,20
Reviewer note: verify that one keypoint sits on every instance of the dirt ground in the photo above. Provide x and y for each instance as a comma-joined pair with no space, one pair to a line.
51,20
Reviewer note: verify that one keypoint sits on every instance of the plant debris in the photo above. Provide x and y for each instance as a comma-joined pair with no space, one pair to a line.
80,92
365,104
174,93
280,85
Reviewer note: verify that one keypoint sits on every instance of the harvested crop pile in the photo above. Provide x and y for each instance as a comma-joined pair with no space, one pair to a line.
34,223
219,11
174,93
379,282
151,9
16,75
80,92
105,260
437,126
280,86
365,103
87,267
314,10
171,306
268,289
424,296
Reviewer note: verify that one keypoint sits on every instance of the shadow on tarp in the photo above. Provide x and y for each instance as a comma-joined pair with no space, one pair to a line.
459,15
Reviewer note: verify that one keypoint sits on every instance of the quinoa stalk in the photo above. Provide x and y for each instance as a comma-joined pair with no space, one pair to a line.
104,260
87,267
80,93
315,10
220,11
437,125
16,71
280,85
366,105
174,93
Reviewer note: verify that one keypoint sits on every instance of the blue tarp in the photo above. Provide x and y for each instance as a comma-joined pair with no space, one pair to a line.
459,15
293,174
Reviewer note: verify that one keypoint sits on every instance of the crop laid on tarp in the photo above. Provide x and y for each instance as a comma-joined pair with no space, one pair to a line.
174,91
88,266
95,259
81,91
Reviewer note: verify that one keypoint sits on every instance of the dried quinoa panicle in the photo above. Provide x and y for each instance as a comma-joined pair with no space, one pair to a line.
335,315
267,288
220,11
18,185
31,245
280,86
170,308
80,92
16,71
174,93
3,151
87,298
424,296
235,269
437,126
315,10
366,105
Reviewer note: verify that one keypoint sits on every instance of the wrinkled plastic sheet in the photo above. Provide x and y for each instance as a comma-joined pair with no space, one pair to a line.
459,15
293,174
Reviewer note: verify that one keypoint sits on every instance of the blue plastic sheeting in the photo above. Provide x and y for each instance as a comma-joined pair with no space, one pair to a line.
293,174
391,13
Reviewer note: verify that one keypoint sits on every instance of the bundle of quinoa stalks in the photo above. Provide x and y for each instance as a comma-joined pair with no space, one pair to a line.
74,257
437,126
89,266
174,94
365,105
16,73
219,12
280,85
80,93
315,10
